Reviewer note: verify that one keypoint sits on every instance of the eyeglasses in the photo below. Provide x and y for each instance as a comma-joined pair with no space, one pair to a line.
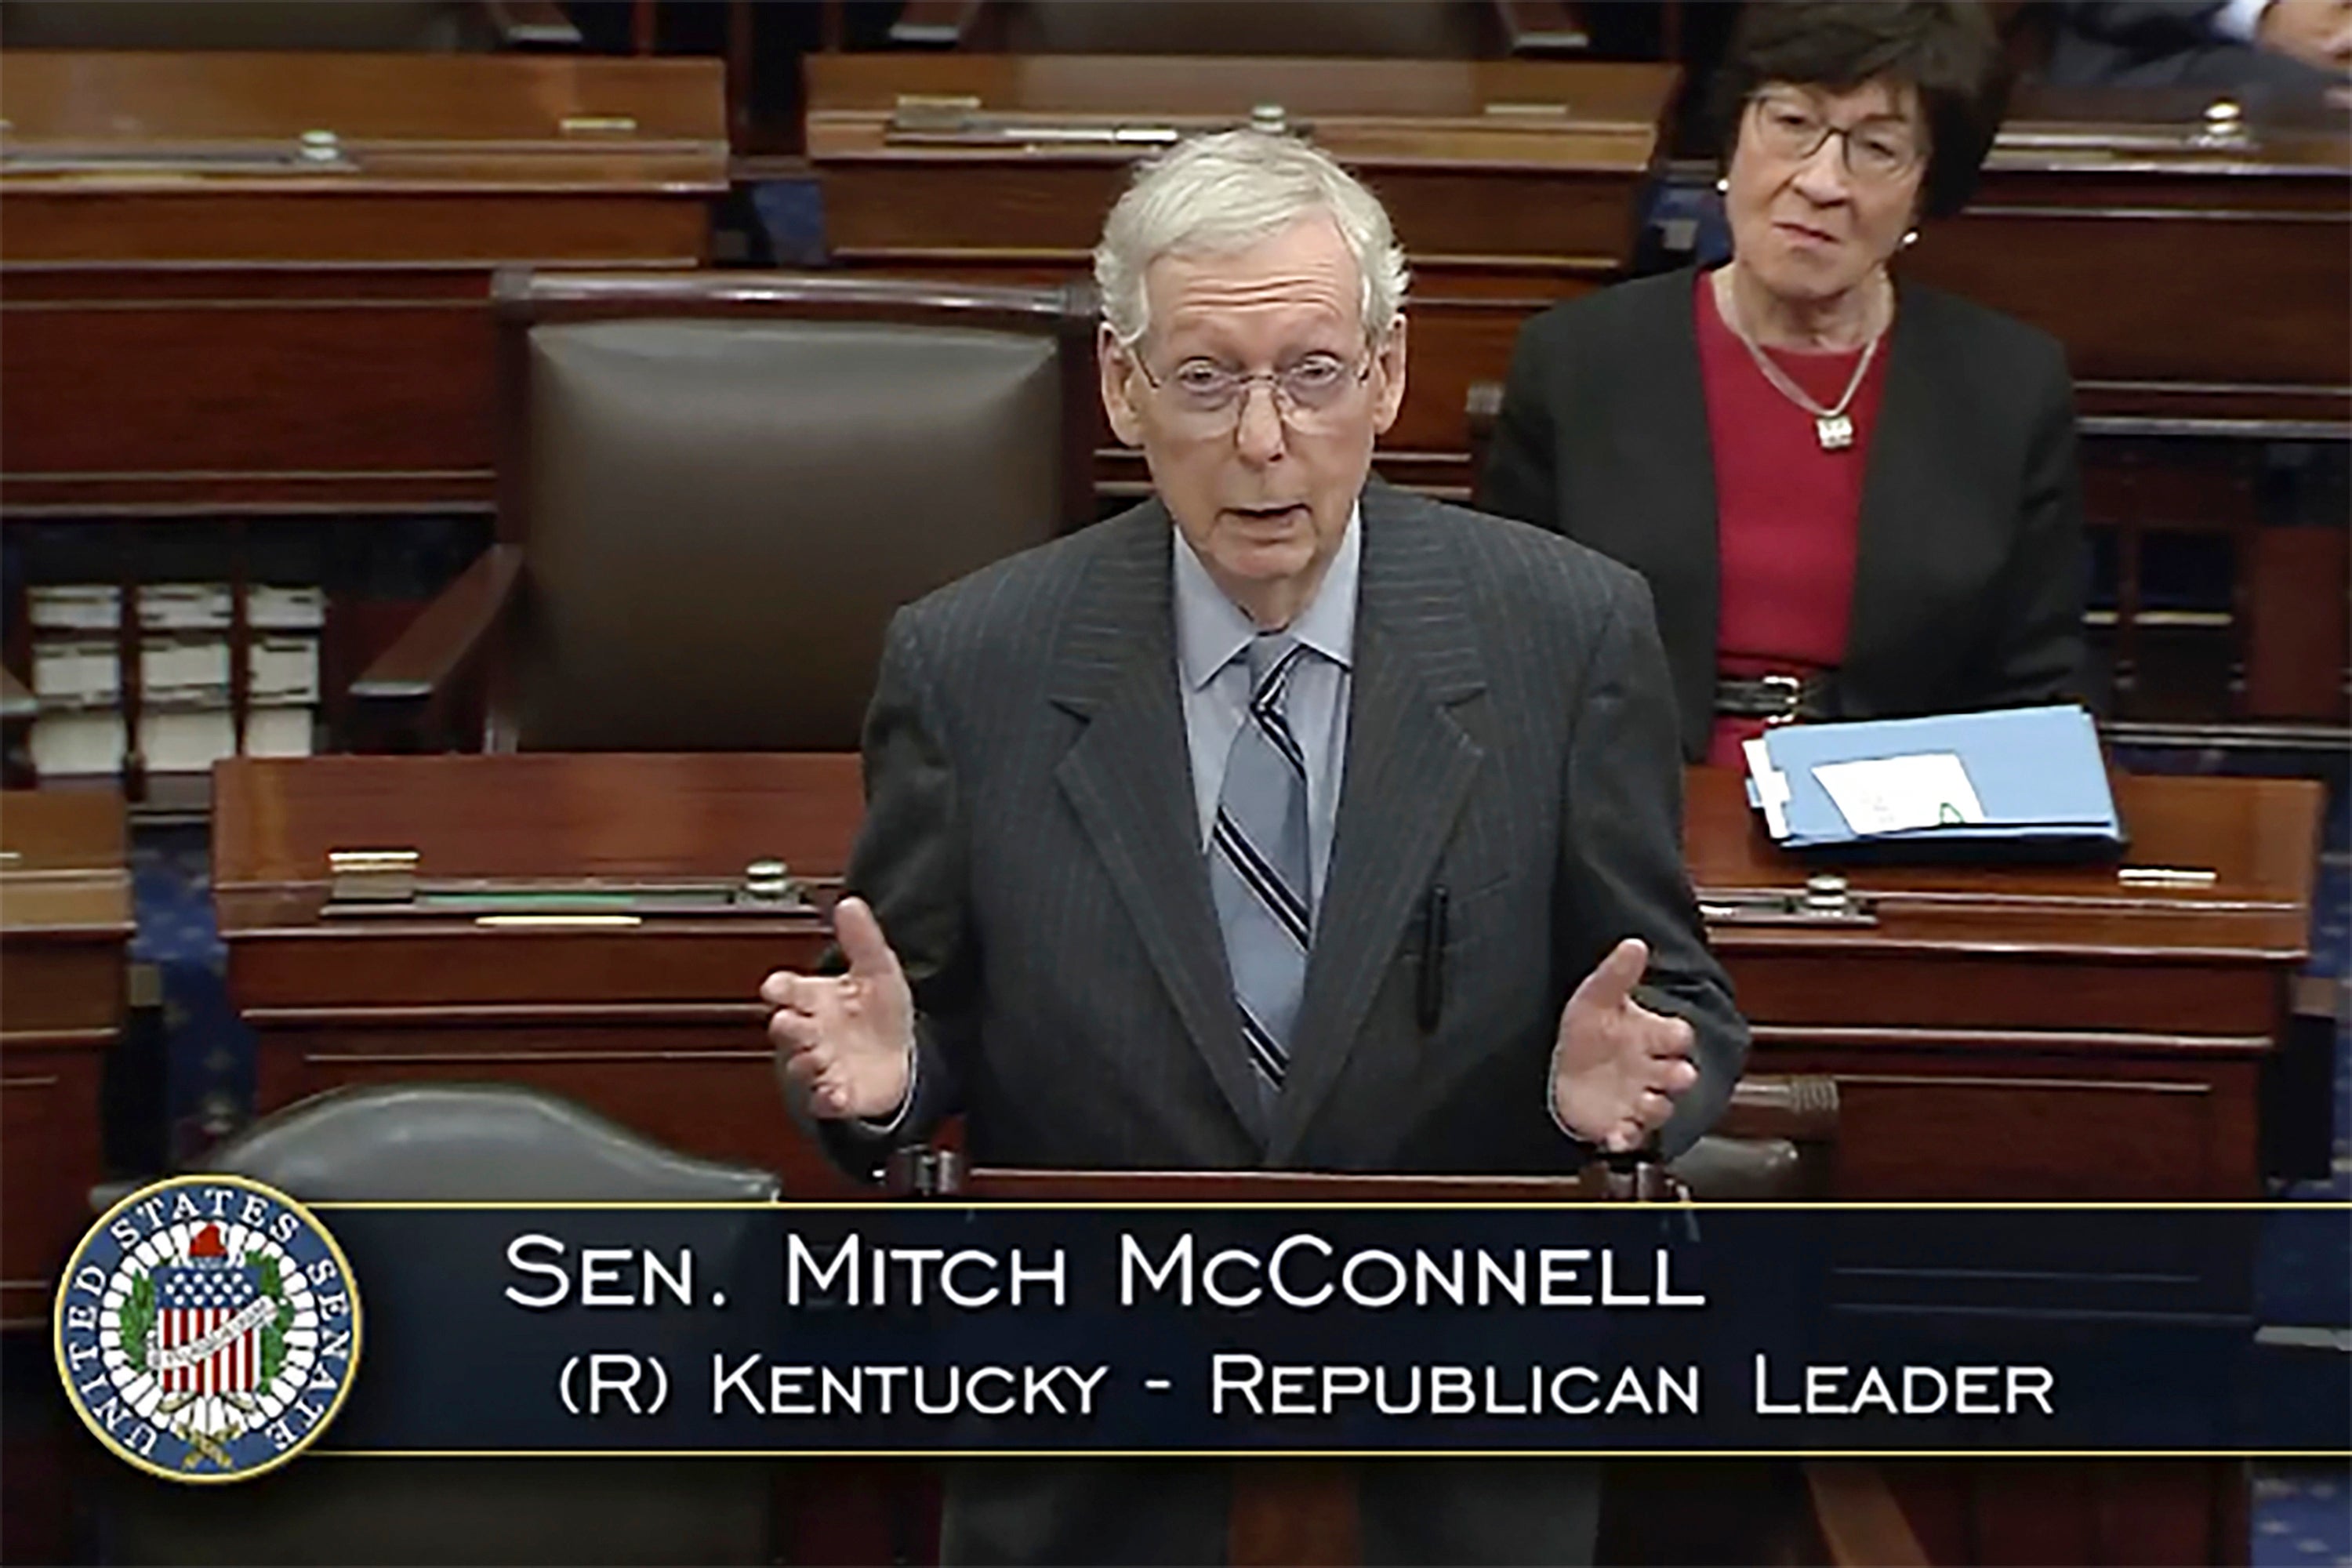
1206,398
1881,149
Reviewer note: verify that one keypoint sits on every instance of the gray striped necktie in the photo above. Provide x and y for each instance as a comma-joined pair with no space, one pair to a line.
1257,861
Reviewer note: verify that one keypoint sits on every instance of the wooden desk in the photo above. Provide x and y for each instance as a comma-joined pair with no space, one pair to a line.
263,281
658,1026
2192,276
2018,1032
2024,1032
65,929
2015,1032
1513,184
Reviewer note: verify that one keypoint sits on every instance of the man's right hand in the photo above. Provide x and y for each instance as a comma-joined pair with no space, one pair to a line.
846,1040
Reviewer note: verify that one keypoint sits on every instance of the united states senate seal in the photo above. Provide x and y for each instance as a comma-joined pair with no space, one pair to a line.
208,1329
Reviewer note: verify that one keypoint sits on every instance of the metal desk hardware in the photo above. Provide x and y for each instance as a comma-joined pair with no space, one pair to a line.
1825,900
382,883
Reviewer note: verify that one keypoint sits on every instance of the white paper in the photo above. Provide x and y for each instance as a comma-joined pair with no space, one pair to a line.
1771,787
1899,795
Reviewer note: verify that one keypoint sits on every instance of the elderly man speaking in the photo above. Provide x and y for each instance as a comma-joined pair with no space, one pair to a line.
1287,821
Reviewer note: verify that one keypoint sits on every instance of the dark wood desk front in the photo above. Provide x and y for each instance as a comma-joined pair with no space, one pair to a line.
264,279
2025,1032
1998,1033
65,931
1513,184
2196,269
657,1025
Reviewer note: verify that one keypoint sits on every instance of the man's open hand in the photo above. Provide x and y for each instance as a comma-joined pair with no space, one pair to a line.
846,1040
1618,1068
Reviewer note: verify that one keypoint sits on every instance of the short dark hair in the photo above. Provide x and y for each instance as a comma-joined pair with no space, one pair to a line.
1946,51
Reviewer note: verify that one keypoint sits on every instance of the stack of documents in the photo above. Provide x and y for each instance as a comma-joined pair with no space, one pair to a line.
2022,777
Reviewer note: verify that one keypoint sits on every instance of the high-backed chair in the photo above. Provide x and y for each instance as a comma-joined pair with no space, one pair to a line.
360,26
484,1142
714,488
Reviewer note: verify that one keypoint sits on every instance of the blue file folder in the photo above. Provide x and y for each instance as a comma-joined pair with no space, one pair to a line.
2037,773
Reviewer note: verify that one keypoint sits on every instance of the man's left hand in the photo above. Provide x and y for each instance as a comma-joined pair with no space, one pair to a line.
1618,1068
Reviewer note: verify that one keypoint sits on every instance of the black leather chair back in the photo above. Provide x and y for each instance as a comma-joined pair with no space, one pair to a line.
425,1142
727,486
429,1141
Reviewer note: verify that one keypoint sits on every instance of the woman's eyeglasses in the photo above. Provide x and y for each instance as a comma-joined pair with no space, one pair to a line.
1879,149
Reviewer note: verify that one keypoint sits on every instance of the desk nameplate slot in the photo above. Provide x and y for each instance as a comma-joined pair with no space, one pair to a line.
768,891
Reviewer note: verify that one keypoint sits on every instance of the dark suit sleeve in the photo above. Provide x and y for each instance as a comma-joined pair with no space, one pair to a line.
910,863
2033,649
1519,480
1622,842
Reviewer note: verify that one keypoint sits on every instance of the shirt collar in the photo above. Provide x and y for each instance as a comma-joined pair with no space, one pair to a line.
1212,630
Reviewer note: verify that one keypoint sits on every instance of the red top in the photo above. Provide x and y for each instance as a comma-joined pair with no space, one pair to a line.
1787,512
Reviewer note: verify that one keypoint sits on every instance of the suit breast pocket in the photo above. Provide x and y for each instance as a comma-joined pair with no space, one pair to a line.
1451,923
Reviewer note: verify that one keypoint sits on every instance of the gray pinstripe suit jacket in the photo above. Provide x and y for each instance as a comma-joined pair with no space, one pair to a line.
1031,847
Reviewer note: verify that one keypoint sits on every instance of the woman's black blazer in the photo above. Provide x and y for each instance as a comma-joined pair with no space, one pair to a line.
1968,580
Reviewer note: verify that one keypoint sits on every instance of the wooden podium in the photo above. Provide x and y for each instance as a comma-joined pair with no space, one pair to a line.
1513,184
1285,1513
65,931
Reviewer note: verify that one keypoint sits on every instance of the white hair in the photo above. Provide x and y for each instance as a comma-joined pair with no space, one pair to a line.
1224,192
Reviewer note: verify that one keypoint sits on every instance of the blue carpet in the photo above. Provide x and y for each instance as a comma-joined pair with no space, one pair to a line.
2303,1516
208,1071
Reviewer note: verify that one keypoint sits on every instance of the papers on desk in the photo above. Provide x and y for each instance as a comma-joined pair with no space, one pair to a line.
2020,777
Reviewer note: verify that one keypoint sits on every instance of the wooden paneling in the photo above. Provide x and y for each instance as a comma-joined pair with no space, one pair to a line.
2025,1127
193,386
658,1026
2297,647
1999,1032
65,924
2194,270
2021,1032
198,314
1513,187
2043,1032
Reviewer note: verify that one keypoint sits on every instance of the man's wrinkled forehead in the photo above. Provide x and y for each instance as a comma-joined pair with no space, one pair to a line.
1303,278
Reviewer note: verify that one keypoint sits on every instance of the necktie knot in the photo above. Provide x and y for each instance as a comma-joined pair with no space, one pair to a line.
1271,657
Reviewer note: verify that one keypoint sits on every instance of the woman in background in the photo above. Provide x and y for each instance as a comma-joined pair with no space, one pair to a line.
1851,498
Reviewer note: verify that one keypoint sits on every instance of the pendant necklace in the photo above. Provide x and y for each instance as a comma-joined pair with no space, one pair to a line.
1831,427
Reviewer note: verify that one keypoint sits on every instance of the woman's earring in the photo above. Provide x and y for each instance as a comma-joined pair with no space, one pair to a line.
1723,185
1910,238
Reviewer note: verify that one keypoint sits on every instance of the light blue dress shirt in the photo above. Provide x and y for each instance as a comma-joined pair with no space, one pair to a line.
1212,631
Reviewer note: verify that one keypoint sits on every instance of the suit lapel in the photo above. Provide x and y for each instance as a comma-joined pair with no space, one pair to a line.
1129,778
1900,491
1409,769
1653,503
